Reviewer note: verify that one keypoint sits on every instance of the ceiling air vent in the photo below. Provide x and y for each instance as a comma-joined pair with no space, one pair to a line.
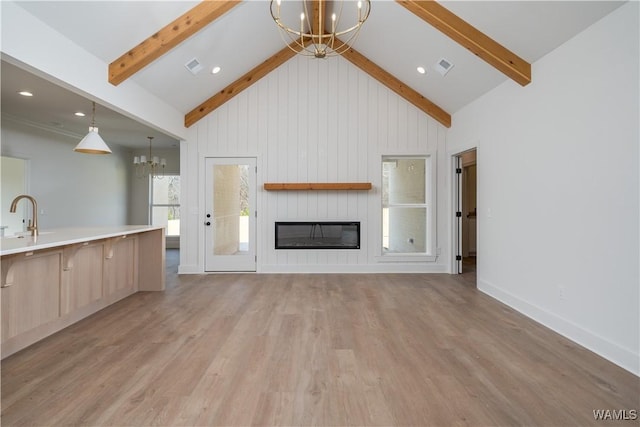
194,66
443,66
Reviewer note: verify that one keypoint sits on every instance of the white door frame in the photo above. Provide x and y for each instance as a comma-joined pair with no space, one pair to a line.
456,194
252,252
16,223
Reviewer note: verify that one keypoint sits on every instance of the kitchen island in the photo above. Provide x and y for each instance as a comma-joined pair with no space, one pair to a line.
61,276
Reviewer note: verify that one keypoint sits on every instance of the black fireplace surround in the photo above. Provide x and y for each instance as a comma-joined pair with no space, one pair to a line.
317,235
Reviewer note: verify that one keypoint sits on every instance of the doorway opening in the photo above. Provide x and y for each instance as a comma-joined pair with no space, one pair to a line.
465,212
14,179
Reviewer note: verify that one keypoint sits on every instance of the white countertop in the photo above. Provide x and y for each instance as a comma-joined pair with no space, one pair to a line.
66,236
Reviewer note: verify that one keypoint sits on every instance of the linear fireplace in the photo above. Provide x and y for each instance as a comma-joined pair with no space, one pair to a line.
317,235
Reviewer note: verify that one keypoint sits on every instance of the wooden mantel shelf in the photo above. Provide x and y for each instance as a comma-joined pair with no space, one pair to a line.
306,186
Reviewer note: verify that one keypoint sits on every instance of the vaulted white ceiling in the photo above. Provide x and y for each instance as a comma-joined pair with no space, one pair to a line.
393,37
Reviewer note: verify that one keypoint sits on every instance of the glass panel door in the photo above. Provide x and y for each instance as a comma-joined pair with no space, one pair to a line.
230,215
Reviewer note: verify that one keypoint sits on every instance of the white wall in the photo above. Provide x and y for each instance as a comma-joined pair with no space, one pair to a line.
58,60
73,189
77,189
301,133
31,44
558,189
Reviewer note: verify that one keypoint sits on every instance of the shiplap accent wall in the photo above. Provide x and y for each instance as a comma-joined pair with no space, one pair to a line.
310,121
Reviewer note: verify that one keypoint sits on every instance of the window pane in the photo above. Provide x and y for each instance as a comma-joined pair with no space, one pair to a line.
404,230
403,181
168,217
166,190
231,209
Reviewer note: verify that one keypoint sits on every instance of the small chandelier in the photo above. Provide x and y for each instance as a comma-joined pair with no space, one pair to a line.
92,143
320,37
153,165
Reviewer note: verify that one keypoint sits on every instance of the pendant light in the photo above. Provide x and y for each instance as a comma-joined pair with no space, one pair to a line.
92,143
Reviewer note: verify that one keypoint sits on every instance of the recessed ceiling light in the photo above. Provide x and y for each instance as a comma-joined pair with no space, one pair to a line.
421,70
25,93
79,114
215,70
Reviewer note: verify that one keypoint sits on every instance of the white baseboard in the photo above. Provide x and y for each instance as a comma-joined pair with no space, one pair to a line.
613,352
356,269
189,269
330,269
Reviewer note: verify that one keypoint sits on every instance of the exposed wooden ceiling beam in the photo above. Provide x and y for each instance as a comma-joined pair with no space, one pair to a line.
287,53
167,38
384,77
239,85
471,38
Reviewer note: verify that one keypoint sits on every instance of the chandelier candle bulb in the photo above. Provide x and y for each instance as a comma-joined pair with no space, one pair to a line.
315,38
149,167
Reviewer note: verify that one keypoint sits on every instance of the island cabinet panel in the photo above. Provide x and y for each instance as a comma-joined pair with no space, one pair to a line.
121,266
151,267
46,289
30,291
82,276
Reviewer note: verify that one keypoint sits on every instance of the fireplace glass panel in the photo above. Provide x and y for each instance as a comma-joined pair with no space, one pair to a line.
317,235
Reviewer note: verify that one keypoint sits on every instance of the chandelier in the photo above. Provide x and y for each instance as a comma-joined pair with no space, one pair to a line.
314,34
153,165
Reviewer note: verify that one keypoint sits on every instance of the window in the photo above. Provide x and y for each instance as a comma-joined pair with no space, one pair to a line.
165,203
406,206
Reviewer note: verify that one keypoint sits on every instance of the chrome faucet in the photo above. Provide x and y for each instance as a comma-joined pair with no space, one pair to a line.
33,227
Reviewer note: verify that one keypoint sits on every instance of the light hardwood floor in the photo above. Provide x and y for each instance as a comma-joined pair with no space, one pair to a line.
325,350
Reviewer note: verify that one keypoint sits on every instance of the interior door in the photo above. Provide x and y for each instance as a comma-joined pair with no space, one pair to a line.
458,213
230,216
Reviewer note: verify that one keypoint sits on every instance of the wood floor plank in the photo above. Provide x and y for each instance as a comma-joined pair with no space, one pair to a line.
312,350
